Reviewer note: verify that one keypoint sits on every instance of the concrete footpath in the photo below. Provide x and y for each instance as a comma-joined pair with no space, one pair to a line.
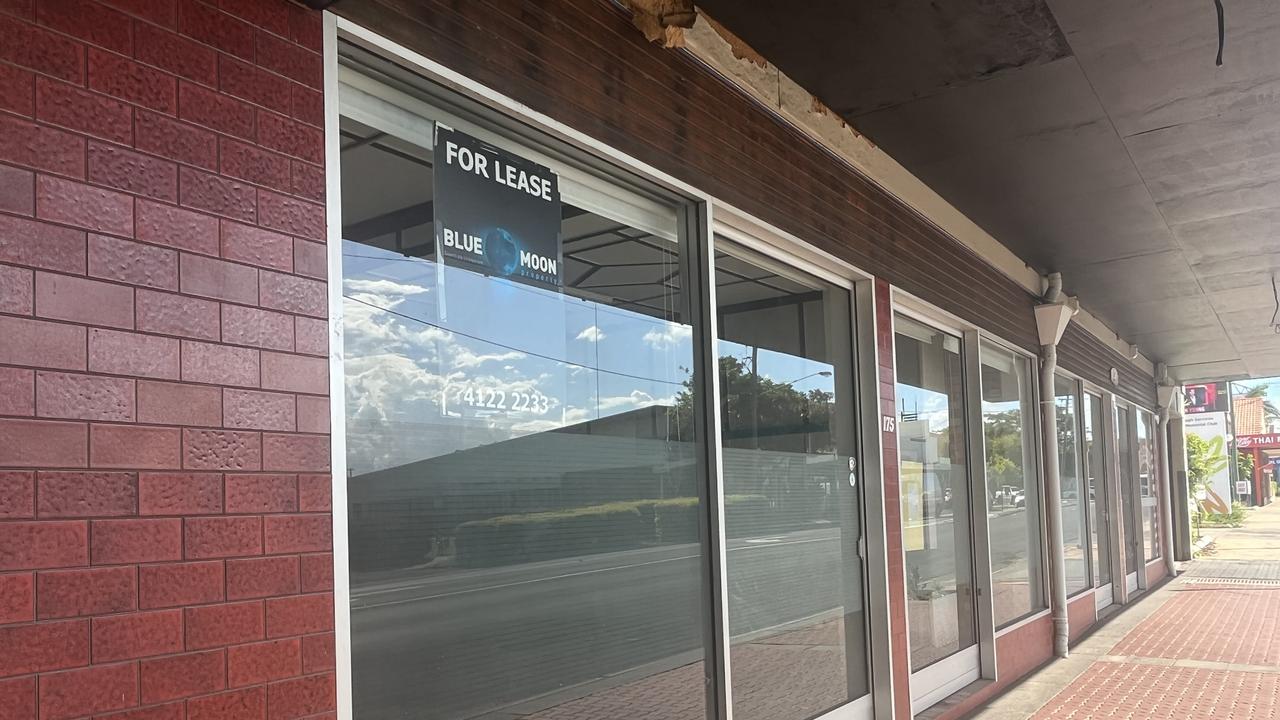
1205,645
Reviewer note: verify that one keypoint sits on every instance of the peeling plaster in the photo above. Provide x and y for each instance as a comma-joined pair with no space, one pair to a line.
728,55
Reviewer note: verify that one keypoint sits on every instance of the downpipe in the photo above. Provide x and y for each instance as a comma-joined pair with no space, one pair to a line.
1052,480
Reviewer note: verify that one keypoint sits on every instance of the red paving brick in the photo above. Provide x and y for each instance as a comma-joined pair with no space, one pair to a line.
1211,622
1133,691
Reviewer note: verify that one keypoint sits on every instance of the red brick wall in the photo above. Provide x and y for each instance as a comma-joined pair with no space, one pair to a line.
892,505
164,490
1082,612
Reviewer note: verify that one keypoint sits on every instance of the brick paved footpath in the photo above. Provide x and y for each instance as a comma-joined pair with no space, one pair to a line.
1210,648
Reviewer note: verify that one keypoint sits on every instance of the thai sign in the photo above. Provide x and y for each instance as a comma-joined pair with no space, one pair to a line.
1268,441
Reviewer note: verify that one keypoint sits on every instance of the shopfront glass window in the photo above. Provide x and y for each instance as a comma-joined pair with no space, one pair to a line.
1099,499
1128,489
934,480
1147,488
1013,485
1075,544
523,506
797,610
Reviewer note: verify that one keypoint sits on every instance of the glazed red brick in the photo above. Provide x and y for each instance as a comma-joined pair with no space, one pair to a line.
172,52
297,533
93,302
177,584
126,353
261,493
134,263
133,172
135,541
254,84
41,147
45,646
17,193
299,615
311,336
140,204
86,206
17,394
36,48
84,397
301,697
138,635
286,453
17,494
85,494
183,676
262,577
220,364
43,443
175,140
18,698
219,279
177,315
91,21
247,704
313,414
263,662
215,537
317,572
219,625
179,493
295,373
222,113
257,327
17,598
16,290
221,450
25,242
255,246
47,544
169,403
221,30
17,87
96,591
136,446
318,653
83,111
136,83
183,229
87,691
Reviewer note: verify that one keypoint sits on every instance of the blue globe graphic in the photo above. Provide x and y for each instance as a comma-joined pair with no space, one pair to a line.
501,251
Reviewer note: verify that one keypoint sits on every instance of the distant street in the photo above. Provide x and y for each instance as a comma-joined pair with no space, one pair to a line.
454,643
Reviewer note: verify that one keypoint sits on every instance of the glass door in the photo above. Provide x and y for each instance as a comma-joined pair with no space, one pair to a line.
936,535
792,504
1099,498
1128,500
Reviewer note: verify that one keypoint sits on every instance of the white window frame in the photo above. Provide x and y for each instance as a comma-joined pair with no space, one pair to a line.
713,216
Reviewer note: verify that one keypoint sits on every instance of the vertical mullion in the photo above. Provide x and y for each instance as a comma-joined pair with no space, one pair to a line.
698,258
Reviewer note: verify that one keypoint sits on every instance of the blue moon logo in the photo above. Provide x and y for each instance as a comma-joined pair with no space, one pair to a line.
501,251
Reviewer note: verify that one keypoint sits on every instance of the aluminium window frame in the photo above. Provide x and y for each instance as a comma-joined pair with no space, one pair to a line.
700,216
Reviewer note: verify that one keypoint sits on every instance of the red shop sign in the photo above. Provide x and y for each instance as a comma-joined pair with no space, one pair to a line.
1269,441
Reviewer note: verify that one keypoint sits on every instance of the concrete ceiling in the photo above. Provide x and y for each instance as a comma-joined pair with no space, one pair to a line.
1097,138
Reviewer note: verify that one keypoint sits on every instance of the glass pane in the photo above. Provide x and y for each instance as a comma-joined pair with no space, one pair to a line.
792,508
1147,494
935,491
521,477
1124,452
1074,543
1013,487
1096,466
